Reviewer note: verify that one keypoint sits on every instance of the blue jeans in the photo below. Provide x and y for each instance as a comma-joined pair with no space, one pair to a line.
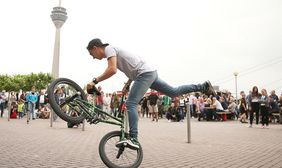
31,109
2,108
141,84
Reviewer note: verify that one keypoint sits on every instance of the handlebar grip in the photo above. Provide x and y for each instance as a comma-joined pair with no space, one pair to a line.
93,90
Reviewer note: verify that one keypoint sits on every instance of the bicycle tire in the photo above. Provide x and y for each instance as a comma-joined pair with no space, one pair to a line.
56,107
109,163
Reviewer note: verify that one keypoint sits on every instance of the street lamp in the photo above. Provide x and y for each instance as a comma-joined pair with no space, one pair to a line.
235,75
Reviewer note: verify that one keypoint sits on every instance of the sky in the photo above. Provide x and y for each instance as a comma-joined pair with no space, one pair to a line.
187,41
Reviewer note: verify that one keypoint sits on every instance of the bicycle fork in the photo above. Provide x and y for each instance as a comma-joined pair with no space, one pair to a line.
124,132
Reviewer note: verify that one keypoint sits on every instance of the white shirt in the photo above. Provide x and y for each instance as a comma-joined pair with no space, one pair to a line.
218,105
130,64
191,97
41,99
106,100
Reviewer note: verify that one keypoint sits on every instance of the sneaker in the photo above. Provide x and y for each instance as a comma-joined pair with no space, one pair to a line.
251,126
208,89
131,143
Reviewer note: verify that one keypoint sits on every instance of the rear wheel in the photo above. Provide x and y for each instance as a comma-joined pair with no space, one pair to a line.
58,92
118,157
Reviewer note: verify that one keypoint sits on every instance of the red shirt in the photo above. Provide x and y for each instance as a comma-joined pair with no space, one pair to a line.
99,100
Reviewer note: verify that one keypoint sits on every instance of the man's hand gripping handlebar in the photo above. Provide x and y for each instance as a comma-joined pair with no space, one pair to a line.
91,89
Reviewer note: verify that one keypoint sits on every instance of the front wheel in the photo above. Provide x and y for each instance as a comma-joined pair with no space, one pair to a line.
118,157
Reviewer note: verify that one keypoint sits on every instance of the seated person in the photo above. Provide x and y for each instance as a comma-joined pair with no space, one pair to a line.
274,108
44,112
218,108
201,108
232,107
223,103
170,114
13,113
179,112
273,105
280,102
175,112
209,109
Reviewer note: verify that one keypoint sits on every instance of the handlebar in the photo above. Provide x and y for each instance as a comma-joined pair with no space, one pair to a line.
93,90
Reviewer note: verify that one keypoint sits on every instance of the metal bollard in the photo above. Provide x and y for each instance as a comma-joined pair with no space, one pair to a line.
83,125
51,117
9,107
9,112
188,117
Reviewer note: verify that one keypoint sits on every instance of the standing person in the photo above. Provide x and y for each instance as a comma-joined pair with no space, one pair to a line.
139,109
153,107
201,108
182,102
107,103
248,97
166,102
41,100
144,77
264,104
191,100
13,98
254,105
160,106
20,108
144,106
32,99
99,99
243,108
2,102
114,104
23,99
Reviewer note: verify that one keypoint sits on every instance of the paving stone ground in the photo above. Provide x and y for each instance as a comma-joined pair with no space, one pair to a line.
214,144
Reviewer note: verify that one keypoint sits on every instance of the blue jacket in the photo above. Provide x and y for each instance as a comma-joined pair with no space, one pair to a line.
32,97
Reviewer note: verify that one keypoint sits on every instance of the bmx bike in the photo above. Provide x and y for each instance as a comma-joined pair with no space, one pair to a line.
74,108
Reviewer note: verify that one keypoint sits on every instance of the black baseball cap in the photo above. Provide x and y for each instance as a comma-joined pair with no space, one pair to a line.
97,43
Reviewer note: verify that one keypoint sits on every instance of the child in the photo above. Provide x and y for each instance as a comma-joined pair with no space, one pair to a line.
13,114
20,108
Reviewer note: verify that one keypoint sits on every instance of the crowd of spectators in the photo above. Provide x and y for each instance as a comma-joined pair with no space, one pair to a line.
255,106
18,104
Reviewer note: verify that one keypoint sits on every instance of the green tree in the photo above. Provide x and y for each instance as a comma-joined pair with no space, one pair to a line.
24,82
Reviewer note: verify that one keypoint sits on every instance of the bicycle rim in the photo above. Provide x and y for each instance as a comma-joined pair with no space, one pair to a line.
108,153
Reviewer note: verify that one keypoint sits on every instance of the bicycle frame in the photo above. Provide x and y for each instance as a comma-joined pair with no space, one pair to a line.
94,115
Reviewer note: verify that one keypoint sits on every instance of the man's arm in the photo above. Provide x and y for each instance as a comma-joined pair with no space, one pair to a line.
110,71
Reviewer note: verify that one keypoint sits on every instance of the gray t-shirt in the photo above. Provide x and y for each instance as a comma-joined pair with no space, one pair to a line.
130,64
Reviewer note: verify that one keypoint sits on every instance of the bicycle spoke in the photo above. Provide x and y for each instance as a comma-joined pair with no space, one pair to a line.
127,158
